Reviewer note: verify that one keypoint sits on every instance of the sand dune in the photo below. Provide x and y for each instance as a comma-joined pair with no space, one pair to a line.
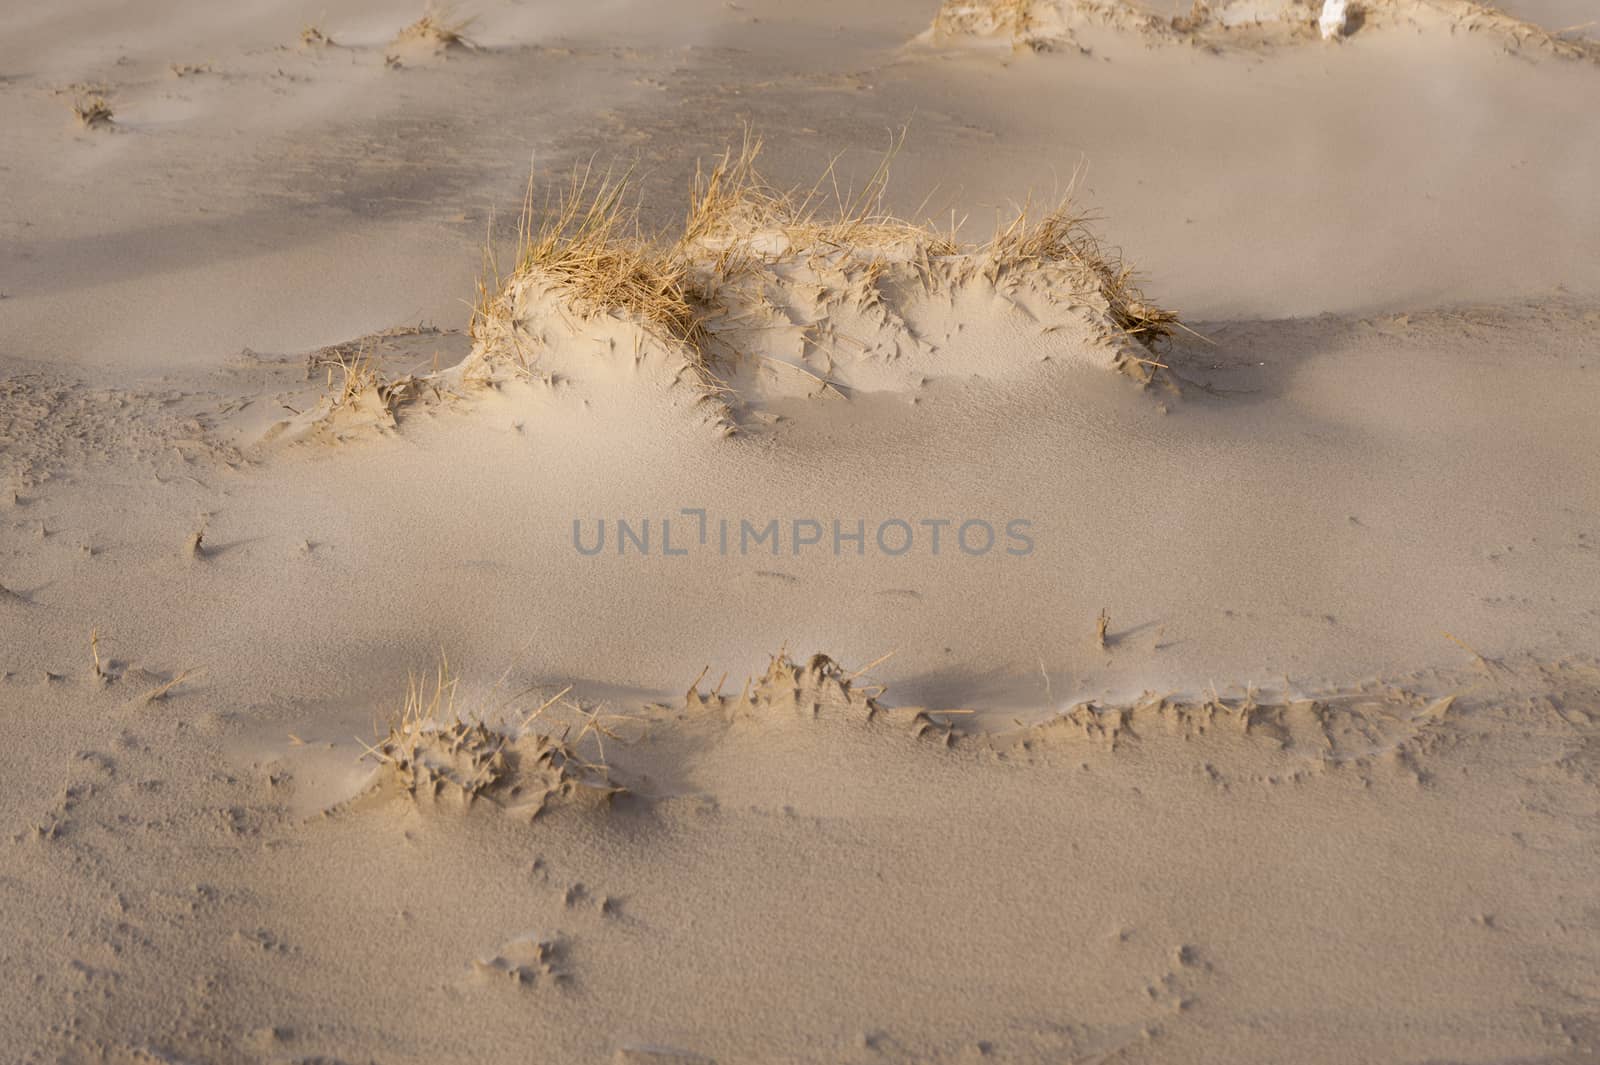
1049,25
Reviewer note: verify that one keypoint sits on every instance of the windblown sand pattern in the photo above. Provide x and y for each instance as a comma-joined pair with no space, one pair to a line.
1263,728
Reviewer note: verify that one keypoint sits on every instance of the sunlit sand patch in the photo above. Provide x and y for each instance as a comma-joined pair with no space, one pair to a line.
1066,25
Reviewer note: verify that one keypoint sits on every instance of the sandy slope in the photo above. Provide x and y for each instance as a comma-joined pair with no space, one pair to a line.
1251,826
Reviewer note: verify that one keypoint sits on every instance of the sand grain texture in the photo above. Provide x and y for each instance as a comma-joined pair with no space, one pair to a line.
326,743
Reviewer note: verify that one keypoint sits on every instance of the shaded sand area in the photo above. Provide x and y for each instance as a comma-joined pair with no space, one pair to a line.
1247,710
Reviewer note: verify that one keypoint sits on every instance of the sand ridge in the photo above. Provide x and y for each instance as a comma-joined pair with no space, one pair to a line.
1051,25
563,908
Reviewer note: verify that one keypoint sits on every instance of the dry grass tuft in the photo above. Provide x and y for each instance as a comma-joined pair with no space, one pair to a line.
594,245
93,112
433,748
358,396
733,201
739,227
1063,235
354,380
590,248
350,375
438,28
1014,18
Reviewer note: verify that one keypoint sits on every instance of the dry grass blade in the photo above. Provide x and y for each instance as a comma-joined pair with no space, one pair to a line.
876,662
547,704
159,693
1483,663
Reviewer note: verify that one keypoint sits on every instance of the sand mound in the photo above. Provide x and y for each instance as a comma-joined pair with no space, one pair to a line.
1387,725
817,690
359,400
434,751
1397,728
539,330
771,293
358,388
439,32
787,688
1058,25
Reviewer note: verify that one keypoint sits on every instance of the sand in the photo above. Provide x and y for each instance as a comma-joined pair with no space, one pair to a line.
1246,711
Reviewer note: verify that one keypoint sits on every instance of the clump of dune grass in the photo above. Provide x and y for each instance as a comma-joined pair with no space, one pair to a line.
985,17
433,747
358,395
733,200
351,374
590,247
93,112
739,231
438,28
1064,235
354,379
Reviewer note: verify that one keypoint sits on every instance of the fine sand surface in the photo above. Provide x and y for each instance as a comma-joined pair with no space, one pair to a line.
1266,729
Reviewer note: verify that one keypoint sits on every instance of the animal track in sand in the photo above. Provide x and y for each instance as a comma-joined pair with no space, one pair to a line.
526,961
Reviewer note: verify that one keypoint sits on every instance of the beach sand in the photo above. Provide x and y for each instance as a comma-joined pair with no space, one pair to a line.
979,663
